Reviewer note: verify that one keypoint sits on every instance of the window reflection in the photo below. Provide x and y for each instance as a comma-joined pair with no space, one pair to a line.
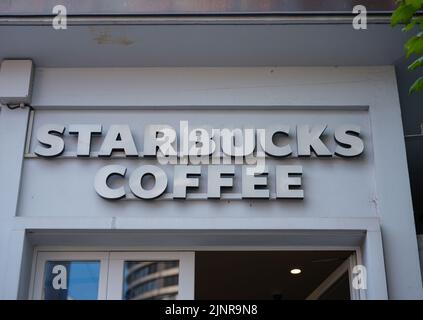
150,280
71,280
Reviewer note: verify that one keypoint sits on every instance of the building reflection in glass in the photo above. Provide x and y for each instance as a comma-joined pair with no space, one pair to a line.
150,280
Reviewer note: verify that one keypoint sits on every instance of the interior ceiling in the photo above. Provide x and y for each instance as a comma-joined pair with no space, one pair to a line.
208,45
262,274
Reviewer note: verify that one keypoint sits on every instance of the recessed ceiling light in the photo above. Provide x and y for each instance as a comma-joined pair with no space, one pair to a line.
295,271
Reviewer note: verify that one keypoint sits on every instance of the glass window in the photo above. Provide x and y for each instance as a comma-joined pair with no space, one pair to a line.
150,280
71,280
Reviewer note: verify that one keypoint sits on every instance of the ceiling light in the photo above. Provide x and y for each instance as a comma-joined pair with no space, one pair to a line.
295,271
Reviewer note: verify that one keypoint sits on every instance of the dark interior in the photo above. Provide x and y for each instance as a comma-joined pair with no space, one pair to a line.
265,275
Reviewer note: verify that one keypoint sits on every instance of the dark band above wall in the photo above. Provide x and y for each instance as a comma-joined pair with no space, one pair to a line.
156,7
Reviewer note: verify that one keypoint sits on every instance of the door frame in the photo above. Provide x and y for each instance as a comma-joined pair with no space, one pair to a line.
346,267
186,256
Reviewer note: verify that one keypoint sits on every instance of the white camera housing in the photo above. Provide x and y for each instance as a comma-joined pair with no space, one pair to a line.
16,78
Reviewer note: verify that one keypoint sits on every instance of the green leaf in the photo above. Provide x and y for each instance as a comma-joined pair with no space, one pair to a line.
414,45
402,14
417,85
409,26
415,3
416,64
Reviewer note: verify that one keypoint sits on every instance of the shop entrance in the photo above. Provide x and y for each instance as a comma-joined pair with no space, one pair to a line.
272,275
203,275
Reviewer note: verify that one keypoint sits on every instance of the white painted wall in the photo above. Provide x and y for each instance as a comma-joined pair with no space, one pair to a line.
376,186
12,140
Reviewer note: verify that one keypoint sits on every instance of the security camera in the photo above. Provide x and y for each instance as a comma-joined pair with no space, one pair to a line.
16,78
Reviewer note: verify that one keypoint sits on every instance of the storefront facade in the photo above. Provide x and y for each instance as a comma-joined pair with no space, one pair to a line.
72,167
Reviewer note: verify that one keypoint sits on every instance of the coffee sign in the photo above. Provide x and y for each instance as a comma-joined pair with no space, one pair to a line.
193,152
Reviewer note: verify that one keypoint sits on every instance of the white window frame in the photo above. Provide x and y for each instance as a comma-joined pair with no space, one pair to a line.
186,271
43,257
111,270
